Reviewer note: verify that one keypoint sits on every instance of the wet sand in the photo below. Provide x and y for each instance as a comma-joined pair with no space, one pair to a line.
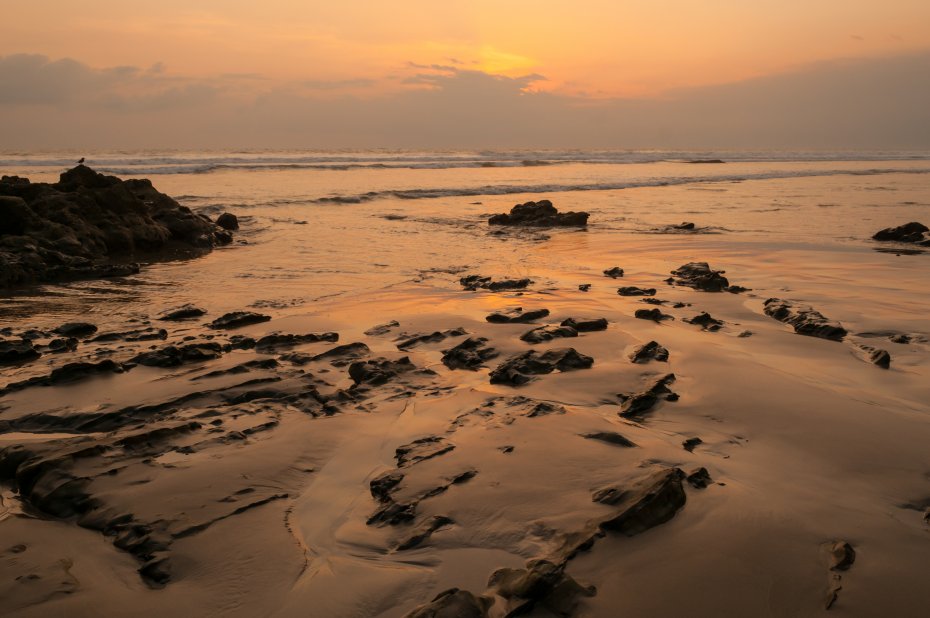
248,492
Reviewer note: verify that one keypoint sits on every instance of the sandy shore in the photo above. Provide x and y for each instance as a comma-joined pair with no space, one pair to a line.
238,480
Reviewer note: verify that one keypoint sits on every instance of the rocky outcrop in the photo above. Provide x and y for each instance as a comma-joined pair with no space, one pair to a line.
805,320
89,225
539,214
913,232
477,282
700,276
519,369
470,354
517,316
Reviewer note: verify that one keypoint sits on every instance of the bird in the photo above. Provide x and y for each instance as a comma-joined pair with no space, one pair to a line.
81,162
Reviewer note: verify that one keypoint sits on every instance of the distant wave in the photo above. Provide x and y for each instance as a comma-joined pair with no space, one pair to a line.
149,164
418,194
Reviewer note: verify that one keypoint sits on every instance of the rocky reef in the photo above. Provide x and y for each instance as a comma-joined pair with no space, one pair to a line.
88,225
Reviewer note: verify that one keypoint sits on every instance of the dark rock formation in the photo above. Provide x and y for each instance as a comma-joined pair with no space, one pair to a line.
237,319
805,320
382,329
584,287
614,272
658,499
842,556
876,356
378,371
706,321
87,225
341,355
454,603
548,333
690,444
66,374
470,354
699,478
173,356
635,405
271,342
610,437
586,325
912,232
16,352
519,369
517,316
651,314
228,221
76,329
649,351
477,282
424,531
539,214
184,312
698,275
541,585
632,290
435,337
385,484
421,450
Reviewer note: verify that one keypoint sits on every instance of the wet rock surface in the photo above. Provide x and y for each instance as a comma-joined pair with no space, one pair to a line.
548,333
517,316
521,368
649,351
805,320
586,325
614,272
184,312
407,343
632,290
655,315
471,353
706,321
238,319
636,405
539,214
700,276
913,232
473,283
87,225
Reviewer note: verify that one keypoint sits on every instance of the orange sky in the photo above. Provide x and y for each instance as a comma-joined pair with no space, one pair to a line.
594,48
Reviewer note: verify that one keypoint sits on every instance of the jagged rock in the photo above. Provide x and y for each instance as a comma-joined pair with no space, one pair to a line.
173,356
586,325
548,333
421,450
842,556
876,356
519,369
469,354
584,287
698,275
76,329
517,316
541,583
278,340
610,437
383,485
139,334
424,531
691,443
237,319
182,313
454,603
651,314
614,272
649,351
343,354
378,371
86,224
699,478
228,221
15,352
434,337
637,404
658,499
539,214
632,290
912,232
805,320
706,321
477,282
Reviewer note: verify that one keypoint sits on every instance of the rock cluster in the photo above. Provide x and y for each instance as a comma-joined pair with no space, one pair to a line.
539,214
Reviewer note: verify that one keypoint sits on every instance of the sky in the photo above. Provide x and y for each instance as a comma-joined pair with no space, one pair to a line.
818,74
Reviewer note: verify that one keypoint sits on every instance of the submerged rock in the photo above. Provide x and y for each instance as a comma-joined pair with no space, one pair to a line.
173,356
519,369
434,337
805,320
539,214
87,224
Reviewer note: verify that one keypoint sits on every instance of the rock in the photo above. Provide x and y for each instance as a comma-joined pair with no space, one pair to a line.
610,437
278,340
876,356
805,320
614,272
651,314
699,478
342,354
657,500
228,221
421,450
632,290
237,319
691,443
87,224
76,329
139,334
608,495
637,404
517,316
698,275
539,214
519,369
649,351
912,232
745,333
541,584
584,287
16,352
477,282
687,225
586,325
705,321
66,374
173,356
182,313
424,531
382,329
548,333
469,354
454,603
382,486
378,371
842,556
434,337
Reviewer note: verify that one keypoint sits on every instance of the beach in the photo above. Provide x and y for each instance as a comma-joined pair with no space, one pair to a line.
358,468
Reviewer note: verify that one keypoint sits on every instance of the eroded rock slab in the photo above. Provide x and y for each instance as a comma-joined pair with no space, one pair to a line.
237,319
521,368
700,276
477,282
649,351
517,316
805,320
471,353
539,214
548,333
